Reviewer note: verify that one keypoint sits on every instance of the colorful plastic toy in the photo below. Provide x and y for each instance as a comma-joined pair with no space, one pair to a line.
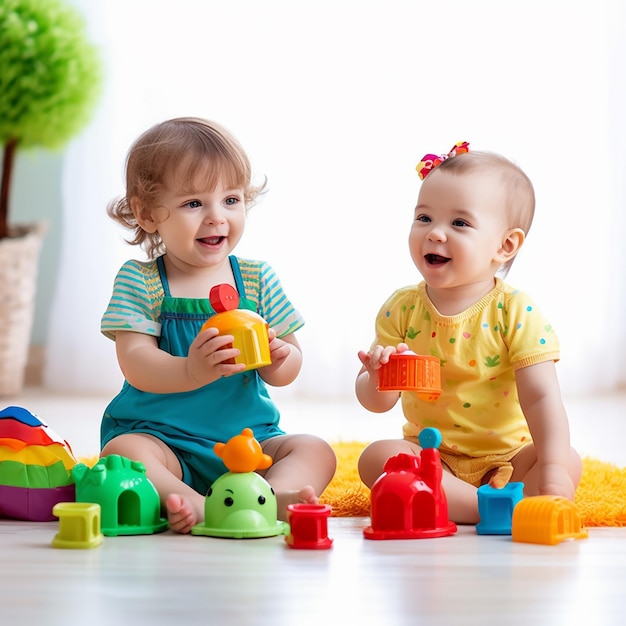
79,525
495,507
248,328
129,502
407,500
243,453
35,467
407,371
241,504
546,520
308,526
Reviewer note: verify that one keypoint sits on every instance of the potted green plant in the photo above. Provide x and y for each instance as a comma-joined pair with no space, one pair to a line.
50,80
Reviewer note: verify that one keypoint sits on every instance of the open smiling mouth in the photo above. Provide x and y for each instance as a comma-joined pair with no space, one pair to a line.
211,241
435,259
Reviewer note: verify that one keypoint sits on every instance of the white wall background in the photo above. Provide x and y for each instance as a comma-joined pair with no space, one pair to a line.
336,102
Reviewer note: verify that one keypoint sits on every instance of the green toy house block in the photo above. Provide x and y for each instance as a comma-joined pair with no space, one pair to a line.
129,502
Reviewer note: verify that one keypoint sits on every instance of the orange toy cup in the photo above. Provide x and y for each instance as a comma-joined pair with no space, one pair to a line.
249,329
407,371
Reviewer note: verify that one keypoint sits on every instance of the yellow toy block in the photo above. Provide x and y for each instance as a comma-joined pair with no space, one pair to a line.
79,525
547,520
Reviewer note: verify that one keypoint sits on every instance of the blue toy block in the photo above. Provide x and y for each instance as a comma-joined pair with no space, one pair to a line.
495,507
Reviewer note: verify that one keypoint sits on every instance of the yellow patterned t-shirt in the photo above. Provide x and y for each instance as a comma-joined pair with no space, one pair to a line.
478,412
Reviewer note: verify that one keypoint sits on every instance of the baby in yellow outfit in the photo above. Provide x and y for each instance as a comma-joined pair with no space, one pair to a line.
500,413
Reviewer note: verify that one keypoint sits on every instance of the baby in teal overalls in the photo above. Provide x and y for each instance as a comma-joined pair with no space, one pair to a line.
188,188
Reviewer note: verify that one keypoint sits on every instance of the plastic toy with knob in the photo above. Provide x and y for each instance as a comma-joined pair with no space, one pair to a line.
248,328
407,499
241,503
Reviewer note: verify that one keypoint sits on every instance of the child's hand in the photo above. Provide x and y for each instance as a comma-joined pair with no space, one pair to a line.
279,349
367,380
554,480
286,359
211,356
373,360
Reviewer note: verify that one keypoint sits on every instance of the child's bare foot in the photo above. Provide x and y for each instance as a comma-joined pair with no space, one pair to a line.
181,514
306,495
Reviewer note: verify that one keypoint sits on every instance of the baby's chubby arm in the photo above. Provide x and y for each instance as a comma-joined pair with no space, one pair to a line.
366,386
147,367
540,399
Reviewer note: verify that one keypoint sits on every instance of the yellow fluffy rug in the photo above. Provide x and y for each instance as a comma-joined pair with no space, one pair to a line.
601,495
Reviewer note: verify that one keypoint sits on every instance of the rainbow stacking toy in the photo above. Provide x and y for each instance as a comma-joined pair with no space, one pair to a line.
35,467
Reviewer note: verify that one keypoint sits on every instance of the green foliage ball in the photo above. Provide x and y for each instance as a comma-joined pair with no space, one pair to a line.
50,74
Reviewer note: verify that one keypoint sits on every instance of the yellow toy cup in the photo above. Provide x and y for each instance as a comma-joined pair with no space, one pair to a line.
249,329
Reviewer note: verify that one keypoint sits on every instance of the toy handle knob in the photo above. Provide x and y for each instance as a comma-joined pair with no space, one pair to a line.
223,298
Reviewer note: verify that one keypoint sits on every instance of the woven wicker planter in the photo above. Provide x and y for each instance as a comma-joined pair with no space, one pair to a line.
19,260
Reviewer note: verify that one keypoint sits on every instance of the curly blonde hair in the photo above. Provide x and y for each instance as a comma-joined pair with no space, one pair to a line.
202,146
